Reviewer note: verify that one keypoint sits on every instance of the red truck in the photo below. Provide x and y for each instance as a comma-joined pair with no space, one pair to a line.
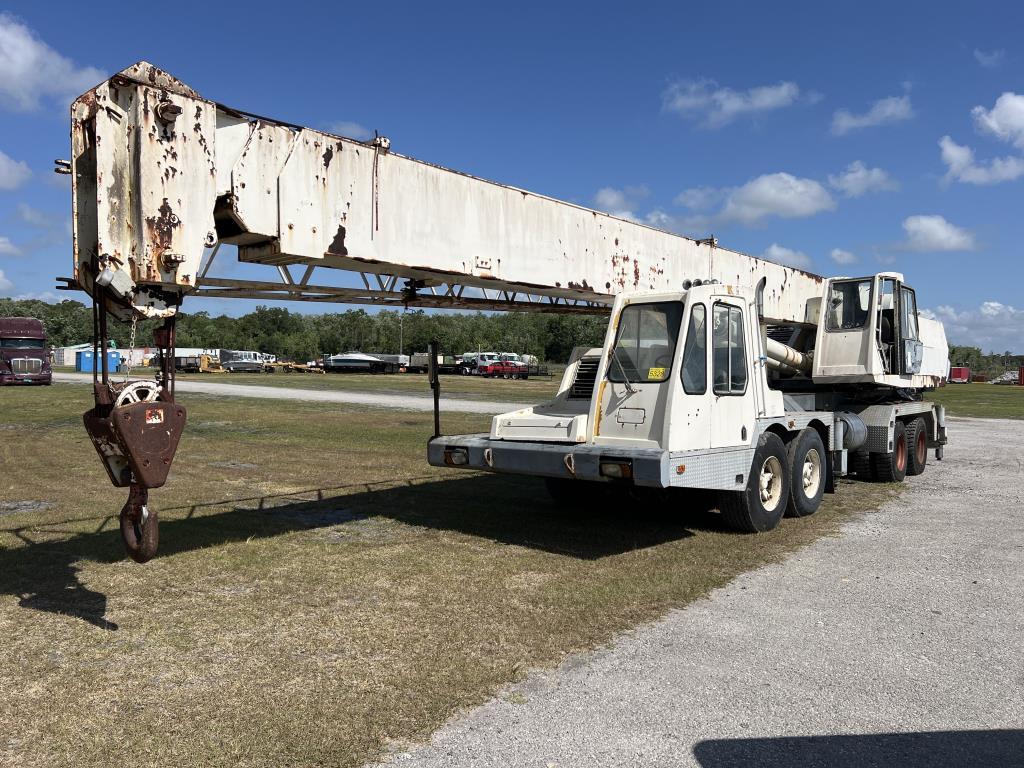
510,369
24,354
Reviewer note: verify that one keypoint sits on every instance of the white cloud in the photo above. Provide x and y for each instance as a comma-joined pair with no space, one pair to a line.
12,173
7,248
894,109
1005,120
30,70
701,198
776,194
33,216
933,233
5,284
47,296
990,59
839,256
857,180
787,256
350,130
620,202
714,106
992,326
960,165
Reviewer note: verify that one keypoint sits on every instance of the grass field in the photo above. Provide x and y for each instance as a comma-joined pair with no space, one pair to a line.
322,595
986,401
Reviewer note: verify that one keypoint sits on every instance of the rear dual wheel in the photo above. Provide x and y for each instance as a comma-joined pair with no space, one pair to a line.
917,446
807,468
892,467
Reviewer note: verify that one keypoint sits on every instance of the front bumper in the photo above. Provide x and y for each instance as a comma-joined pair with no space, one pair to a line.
571,461
25,378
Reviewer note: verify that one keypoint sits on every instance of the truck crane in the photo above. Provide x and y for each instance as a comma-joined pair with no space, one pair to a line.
719,370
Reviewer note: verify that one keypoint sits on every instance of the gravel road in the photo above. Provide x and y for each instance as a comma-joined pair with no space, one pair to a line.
376,399
898,643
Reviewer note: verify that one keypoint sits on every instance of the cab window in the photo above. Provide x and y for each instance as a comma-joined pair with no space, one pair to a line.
695,353
646,342
849,305
729,350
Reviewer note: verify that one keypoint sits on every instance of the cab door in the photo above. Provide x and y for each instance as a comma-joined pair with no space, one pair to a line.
732,418
636,392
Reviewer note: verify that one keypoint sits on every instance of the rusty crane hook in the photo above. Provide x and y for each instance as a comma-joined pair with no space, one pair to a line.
140,526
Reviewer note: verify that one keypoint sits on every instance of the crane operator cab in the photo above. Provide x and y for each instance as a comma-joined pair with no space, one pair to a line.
872,333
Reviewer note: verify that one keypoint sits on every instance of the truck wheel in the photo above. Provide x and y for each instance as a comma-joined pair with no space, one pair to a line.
761,506
917,445
807,467
859,463
892,467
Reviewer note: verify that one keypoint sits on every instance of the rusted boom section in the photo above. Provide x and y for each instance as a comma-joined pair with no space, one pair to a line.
162,175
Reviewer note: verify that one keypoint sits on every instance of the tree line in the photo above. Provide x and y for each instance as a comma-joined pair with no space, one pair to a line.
292,335
989,365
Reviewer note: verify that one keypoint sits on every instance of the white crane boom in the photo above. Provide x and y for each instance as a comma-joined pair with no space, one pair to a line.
162,176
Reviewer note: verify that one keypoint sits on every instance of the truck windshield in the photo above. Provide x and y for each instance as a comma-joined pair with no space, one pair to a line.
22,343
848,304
646,342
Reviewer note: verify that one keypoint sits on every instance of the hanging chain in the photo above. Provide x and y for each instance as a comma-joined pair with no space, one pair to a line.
131,349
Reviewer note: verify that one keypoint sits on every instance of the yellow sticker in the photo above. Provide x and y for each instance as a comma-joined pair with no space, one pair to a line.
655,374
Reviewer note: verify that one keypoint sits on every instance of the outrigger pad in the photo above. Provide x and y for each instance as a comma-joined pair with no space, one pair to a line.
148,434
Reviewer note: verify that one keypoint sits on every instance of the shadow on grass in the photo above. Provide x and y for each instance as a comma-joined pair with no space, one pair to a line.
518,512
934,749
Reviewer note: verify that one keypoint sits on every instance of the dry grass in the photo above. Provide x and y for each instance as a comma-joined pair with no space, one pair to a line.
322,594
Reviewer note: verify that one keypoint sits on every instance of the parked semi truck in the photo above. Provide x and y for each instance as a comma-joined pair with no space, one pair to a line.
718,371
24,353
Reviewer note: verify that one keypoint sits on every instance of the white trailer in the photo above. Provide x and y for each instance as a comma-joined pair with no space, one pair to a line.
718,370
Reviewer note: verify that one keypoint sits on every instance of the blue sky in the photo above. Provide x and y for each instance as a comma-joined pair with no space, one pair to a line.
848,139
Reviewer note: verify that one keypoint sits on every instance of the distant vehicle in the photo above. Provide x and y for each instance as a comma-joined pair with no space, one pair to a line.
358,362
419,362
24,354
508,369
959,374
241,361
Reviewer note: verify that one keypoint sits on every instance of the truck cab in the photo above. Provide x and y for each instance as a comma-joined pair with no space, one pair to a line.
24,353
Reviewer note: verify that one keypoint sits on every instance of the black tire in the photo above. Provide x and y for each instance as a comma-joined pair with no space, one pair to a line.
859,464
808,466
917,446
746,511
892,467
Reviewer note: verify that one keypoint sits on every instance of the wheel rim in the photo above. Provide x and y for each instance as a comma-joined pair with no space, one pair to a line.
901,452
921,448
811,473
770,483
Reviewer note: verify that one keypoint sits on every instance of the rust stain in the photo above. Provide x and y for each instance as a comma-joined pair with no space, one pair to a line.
161,228
338,243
